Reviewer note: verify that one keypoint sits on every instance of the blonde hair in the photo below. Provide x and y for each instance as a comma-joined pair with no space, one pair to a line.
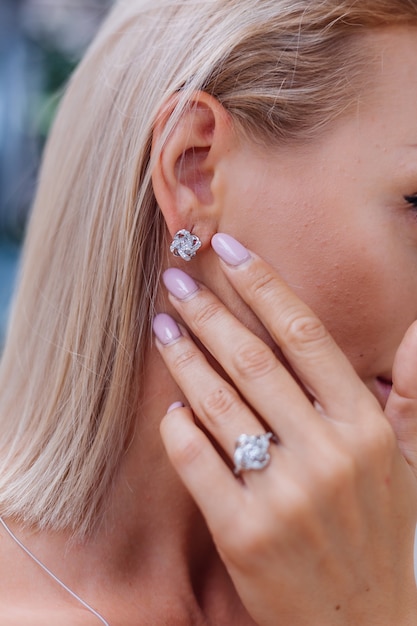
72,369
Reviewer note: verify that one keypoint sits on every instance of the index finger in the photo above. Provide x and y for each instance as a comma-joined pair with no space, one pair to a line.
303,339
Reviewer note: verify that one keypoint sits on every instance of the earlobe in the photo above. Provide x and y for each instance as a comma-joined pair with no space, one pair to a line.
188,165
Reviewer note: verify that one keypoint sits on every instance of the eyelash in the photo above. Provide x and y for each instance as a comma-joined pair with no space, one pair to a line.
411,200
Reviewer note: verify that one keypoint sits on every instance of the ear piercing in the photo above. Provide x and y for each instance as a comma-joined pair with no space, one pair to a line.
185,245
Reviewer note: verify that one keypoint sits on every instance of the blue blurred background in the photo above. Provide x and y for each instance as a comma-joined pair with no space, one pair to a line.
41,41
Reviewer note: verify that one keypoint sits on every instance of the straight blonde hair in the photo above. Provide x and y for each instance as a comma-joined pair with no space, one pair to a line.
72,369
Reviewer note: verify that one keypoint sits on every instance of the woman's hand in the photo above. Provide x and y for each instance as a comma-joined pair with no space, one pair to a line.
323,536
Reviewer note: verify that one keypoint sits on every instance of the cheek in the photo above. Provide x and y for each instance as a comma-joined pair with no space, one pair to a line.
349,301
338,274
348,265
360,293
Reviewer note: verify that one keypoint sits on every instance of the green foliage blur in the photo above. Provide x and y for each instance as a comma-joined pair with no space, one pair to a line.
41,43
57,69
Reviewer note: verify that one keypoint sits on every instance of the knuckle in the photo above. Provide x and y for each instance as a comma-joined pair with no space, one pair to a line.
254,361
264,284
342,470
335,469
298,507
378,441
186,359
186,453
248,543
219,404
302,330
207,315
255,541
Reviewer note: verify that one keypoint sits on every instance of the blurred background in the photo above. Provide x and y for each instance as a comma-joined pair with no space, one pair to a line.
41,41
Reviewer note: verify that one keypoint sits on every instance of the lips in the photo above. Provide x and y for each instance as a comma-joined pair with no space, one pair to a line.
383,388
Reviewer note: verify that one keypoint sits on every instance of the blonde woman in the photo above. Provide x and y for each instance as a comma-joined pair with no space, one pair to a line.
272,144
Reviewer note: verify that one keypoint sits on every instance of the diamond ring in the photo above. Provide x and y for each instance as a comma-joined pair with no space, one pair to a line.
251,452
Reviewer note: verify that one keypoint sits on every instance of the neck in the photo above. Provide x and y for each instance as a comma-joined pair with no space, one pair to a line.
152,544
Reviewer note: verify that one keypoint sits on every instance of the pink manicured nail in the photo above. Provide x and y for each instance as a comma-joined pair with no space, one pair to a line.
179,283
230,250
175,405
166,328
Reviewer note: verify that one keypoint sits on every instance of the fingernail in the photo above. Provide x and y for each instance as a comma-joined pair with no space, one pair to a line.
229,250
166,329
175,405
179,283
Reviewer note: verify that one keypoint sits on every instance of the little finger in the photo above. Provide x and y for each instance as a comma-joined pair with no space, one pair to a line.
210,483
215,402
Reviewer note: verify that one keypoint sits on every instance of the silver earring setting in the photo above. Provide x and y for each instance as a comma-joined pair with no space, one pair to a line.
185,245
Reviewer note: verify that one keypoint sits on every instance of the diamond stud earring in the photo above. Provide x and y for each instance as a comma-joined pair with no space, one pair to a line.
185,245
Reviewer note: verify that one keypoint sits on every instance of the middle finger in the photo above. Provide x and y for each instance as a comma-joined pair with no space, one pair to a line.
257,373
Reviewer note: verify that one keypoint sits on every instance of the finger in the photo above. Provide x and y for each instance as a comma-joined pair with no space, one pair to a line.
257,373
401,408
213,487
217,405
303,339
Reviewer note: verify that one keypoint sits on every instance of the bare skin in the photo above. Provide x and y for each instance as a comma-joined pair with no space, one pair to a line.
334,512
154,561
119,572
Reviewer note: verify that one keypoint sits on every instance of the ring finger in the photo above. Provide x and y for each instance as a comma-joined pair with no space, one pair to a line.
220,408
257,373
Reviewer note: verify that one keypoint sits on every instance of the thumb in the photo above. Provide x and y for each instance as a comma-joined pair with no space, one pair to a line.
401,408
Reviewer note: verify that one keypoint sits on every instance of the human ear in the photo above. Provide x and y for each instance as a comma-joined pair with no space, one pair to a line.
188,166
